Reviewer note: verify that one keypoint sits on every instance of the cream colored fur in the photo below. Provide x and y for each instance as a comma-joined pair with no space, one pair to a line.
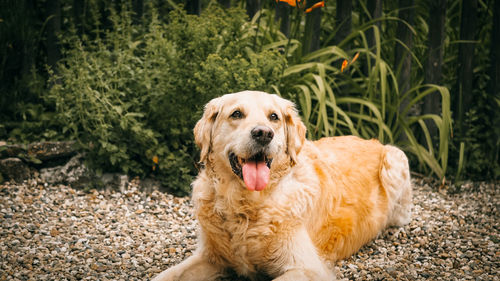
325,199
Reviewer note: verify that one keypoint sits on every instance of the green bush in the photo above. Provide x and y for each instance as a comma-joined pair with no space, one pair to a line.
129,95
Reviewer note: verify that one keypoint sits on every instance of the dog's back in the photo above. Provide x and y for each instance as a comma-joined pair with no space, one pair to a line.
364,187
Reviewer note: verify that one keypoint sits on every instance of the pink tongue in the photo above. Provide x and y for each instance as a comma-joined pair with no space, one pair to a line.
255,175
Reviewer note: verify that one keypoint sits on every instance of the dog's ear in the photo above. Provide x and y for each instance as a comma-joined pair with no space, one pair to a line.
295,131
203,128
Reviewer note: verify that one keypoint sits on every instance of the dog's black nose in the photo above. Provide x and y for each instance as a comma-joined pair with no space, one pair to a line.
262,134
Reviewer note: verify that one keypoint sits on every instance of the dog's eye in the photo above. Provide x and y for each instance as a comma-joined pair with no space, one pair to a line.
274,117
236,114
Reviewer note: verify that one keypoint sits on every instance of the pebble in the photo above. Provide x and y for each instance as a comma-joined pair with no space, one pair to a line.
54,232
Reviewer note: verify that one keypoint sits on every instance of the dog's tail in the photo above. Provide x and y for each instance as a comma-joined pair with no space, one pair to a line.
395,178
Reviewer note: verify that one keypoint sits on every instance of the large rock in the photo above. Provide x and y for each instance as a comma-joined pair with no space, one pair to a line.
14,169
14,161
114,181
76,174
51,150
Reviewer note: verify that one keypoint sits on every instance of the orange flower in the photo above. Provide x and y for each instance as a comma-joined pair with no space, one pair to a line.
344,65
292,3
317,5
155,161
355,58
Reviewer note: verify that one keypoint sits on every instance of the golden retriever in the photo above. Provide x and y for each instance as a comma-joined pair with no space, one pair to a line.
272,204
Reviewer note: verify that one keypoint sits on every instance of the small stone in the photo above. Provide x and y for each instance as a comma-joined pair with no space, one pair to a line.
171,251
54,232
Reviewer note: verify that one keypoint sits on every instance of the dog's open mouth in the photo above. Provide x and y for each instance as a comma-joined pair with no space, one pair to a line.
254,171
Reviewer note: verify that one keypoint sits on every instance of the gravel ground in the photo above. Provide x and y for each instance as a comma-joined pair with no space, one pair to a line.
59,233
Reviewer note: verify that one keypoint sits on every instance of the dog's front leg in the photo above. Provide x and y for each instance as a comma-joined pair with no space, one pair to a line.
302,262
194,268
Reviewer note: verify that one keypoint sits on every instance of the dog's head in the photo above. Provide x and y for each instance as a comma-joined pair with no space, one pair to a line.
246,131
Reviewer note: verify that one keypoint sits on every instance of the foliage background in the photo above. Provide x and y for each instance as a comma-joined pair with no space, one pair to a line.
128,79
